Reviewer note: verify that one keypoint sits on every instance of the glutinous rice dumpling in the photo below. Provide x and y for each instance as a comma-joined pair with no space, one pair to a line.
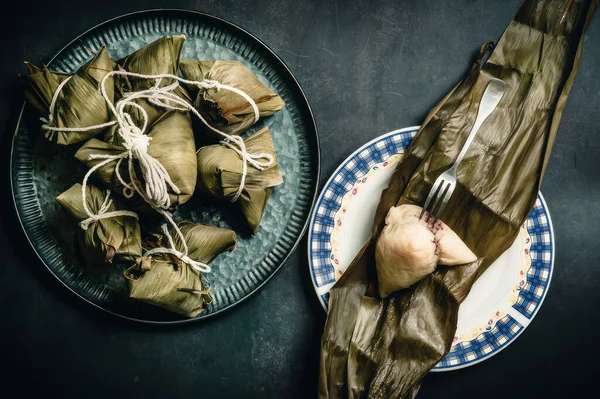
103,240
223,109
166,281
220,173
78,104
409,248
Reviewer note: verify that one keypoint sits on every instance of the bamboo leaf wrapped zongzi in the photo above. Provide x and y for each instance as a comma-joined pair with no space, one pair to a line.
410,247
166,281
105,239
157,58
224,109
220,173
171,143
375,347
78,104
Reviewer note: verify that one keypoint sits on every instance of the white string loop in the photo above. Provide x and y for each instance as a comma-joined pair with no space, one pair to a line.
236,143
197,266
102,212
48,122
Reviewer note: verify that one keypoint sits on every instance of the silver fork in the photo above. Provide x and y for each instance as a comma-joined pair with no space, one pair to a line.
444,185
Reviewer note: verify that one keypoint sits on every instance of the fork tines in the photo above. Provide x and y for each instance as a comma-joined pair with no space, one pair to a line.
438,197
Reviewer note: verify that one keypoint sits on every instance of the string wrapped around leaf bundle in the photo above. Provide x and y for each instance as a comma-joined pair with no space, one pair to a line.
157,58
165,280
78,103
223,109
111,233
171,144
222,175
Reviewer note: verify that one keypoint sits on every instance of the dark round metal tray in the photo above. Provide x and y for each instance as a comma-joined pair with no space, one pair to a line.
41,170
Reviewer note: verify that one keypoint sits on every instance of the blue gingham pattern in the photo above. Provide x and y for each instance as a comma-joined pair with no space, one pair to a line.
463,353
329,203
538,226
542,253
528,302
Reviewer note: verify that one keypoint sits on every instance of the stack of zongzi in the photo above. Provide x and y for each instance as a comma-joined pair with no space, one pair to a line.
145,152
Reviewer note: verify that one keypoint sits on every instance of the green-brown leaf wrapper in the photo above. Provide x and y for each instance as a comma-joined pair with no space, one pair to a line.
224,109
157,58
220,174
382,348
79,104
105,240
172,145
167,282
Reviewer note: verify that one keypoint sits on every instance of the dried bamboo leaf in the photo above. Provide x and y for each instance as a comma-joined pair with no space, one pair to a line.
205,243
220,173
105,239
42,85
226,110
159,57
382,348
196,71
80,103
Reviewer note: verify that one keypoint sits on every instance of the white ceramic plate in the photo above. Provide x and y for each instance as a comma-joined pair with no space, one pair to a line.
501,303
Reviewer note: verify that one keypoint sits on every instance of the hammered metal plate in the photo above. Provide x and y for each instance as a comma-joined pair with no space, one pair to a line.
41,170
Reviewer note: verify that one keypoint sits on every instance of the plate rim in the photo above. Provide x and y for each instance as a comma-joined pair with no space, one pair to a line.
312,123
535,312
448,368
322,194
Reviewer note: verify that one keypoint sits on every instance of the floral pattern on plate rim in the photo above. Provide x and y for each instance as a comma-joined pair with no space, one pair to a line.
497,315
486,344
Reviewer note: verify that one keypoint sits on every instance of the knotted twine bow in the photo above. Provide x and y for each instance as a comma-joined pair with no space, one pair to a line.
197,266
136,143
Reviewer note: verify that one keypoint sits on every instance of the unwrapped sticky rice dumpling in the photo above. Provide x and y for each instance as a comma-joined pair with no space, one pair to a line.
410,248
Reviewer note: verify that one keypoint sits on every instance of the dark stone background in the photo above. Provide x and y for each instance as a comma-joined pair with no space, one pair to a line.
367,67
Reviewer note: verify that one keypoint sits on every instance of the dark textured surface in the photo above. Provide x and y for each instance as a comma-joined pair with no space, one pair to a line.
367,68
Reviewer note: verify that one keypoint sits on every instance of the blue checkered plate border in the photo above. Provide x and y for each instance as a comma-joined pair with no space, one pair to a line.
463,354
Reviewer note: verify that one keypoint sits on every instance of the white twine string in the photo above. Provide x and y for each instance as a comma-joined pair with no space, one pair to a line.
103,214
47,122
136,142
103,211
252,159
166,98
197,266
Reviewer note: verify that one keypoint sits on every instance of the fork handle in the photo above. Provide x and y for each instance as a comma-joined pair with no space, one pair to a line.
490,99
